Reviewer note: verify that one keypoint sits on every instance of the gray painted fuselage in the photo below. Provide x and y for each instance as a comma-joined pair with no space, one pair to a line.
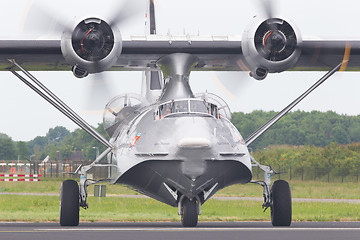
181,146
190,152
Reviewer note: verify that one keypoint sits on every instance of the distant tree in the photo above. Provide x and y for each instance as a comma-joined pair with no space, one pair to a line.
22,149
57,134
39,155
38,142
7,148
340,135
355,134
300,128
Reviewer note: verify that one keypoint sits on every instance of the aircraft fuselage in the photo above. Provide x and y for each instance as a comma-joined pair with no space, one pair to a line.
179,148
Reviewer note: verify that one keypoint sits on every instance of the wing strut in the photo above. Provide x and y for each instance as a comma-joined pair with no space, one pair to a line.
252,137
57,103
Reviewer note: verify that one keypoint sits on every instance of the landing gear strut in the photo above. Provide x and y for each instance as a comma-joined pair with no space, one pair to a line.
74,195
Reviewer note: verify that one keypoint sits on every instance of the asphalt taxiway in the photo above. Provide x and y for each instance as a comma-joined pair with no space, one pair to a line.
174,231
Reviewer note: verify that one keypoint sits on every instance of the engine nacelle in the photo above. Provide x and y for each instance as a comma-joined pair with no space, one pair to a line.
270,45
92,46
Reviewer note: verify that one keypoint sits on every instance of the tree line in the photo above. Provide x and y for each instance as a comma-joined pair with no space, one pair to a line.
57,143
299,128
310,162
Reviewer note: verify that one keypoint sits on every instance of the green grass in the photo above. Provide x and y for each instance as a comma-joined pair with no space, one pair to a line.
299,189
46,208
49,185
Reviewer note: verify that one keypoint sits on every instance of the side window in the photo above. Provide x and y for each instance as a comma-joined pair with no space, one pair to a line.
213,110
157,113
164,110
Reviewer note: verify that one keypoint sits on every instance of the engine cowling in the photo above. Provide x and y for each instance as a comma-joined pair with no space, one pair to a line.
91,46
270,45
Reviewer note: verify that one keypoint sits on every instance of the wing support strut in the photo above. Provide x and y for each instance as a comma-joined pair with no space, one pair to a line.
51,98
252,137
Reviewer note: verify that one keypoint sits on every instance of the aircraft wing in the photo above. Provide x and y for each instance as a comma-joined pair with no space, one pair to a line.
223,53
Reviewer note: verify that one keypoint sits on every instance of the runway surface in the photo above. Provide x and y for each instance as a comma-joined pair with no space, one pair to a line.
213,230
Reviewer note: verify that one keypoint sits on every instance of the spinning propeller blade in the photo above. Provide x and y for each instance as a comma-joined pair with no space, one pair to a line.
41,18
99,90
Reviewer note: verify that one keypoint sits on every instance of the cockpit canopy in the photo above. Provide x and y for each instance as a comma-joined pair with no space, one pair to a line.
186,106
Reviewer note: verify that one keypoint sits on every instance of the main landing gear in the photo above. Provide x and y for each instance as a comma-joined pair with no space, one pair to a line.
278,198
281,203
69,203
74,195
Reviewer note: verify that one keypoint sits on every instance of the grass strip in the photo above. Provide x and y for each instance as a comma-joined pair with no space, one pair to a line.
46,208
299,189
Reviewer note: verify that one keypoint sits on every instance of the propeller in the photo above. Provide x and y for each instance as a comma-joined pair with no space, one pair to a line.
267,7
275,39
99,91
92,39
39,16
38,20
125,10
232,84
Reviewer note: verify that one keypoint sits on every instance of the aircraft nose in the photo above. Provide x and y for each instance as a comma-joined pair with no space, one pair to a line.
195,150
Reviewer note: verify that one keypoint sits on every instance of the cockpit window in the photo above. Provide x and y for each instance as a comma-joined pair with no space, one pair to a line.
165,109
199,106
181,106
186,106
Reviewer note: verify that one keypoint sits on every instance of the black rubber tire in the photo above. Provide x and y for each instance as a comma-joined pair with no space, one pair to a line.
189,217
69,203
281,211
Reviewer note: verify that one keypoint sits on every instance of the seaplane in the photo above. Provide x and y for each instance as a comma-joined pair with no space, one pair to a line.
169,143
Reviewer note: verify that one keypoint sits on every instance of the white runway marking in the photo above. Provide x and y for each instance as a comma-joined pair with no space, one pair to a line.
195,229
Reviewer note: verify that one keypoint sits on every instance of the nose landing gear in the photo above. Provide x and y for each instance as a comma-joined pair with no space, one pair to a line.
189,211
189,216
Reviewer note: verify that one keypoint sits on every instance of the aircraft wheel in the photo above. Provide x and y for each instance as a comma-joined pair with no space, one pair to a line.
281,204
189,217
69,203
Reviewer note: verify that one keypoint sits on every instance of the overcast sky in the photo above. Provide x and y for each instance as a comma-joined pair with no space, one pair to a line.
24,115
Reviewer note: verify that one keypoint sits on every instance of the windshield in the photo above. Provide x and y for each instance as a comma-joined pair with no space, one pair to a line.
187,106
